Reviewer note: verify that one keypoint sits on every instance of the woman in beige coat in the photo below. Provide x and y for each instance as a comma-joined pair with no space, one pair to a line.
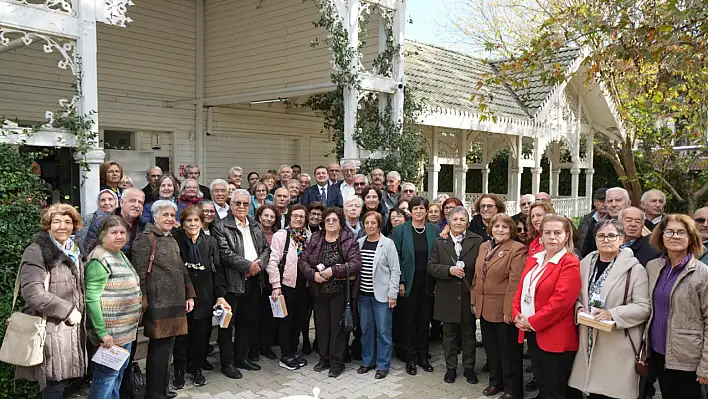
604,364
55,258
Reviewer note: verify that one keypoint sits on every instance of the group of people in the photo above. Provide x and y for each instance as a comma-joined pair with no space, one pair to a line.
170,255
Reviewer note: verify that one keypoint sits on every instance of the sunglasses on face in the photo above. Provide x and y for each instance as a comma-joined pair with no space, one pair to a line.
525,203
700,220
408,191
520,229
359,184
239,203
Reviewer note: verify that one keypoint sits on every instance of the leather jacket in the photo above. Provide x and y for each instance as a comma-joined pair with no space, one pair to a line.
231,252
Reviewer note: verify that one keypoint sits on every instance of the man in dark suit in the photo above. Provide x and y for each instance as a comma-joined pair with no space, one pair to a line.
282,203
152,175
632,219
192,171
327,194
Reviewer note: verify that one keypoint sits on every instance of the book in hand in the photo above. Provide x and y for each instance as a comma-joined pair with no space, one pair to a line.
113,357
589,320
223,316
278,307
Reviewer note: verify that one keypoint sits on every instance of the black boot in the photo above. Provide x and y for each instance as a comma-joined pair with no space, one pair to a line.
178,380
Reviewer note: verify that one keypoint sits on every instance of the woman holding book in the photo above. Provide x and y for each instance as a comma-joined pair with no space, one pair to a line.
614,290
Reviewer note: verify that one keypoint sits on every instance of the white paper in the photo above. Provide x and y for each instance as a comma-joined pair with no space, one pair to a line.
113,357
589,316
222,316
276,308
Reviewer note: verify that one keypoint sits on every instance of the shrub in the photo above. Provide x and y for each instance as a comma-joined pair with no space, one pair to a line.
21,195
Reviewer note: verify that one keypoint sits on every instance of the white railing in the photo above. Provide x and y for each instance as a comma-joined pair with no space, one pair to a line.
562,205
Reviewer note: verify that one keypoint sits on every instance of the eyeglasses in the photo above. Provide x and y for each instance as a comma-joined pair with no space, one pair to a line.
297,217
700,220
359,184
609,237
239,203
677,233
520,229
331,221
487,206
408,191
525,203
208,212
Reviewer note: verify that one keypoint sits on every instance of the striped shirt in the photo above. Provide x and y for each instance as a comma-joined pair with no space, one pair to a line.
366,274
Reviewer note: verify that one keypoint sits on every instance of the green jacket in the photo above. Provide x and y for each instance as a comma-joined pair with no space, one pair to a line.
403,238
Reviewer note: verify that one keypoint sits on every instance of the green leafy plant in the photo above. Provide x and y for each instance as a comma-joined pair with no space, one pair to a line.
21,197
394,145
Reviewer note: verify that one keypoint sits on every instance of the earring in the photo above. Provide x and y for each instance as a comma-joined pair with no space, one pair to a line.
540,241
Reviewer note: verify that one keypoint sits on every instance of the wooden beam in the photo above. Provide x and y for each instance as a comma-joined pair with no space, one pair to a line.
32,19
378,83
240,98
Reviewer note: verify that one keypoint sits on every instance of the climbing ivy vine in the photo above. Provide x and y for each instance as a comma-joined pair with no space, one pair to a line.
393,145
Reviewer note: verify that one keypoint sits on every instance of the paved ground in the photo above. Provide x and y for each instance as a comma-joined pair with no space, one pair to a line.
275,382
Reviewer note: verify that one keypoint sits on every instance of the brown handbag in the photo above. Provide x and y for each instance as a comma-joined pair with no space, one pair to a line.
641,366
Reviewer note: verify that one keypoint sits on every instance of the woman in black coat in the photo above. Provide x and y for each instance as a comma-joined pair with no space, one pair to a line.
201,258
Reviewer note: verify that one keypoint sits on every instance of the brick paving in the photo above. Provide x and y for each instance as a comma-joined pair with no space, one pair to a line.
274,382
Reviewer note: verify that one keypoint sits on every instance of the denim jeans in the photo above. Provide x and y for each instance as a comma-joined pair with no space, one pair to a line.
105,383
376,321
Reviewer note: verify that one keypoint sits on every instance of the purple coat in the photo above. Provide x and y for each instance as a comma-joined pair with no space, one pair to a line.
314,252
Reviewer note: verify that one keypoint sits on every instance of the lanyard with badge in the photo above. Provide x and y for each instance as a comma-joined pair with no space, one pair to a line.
534,277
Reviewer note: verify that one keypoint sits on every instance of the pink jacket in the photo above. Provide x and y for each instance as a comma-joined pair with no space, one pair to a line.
277,245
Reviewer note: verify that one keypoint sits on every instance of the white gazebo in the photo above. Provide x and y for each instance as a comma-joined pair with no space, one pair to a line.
539,119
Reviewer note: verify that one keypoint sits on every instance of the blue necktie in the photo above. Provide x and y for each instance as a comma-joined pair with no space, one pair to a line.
324,196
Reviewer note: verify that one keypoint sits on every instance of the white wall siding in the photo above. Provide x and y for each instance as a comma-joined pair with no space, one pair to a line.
140,67
253,45
262,138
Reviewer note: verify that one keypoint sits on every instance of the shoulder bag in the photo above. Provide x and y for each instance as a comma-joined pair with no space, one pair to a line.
281,265
641,366
348,316
23,344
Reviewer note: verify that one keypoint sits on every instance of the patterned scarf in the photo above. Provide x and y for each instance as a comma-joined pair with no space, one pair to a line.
299,238
190,201
69,248
595,284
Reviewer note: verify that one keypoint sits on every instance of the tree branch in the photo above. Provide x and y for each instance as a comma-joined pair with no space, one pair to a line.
672,189
698,194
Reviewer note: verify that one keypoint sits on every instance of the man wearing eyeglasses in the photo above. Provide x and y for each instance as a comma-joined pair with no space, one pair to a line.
525,203
153,174
219,194
408,191
244,254
632,220
701,219
360,181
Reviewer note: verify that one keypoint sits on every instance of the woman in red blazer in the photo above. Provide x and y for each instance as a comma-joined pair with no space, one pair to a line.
543,308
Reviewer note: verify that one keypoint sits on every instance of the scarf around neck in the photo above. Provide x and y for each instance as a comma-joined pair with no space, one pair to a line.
70,249
189,250
299,238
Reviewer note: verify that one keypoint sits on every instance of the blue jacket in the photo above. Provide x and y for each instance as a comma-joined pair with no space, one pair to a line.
147,211
254,205
92,234
334,196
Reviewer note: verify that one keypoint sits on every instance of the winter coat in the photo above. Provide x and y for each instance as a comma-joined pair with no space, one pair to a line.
687,339
167,287
230,243
643,250
64,345
314,252
290,273
493,296
478,227
609,368
203,280
452,294
584,228
137,228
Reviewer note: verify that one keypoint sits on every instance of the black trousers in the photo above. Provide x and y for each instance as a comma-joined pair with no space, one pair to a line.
190,349
289,327
416,319
332,340
158,368
675,384
263,330
504,357
552,370
306,317
225,337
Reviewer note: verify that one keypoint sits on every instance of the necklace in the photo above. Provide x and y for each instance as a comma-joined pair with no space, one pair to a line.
419,231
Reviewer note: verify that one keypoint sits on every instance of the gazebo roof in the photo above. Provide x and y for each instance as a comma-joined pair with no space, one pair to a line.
445,80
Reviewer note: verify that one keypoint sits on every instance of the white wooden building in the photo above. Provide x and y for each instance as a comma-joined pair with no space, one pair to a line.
199,81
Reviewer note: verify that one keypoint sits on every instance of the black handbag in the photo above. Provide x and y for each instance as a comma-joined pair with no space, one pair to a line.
348,316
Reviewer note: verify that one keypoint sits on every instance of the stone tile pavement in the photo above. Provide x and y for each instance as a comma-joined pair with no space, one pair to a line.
275,382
